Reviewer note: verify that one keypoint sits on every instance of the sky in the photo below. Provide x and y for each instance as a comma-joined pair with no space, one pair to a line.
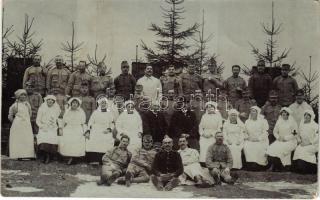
117,26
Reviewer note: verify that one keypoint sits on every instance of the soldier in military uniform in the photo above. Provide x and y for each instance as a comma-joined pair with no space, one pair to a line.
57,79
88,102
37,75
76,79
168,106
198,105
171,82
234,84
190,82
35,100
286,86
244,104
125,82
139,168
101,82
115,162
260,84
211,80
271,111
223,104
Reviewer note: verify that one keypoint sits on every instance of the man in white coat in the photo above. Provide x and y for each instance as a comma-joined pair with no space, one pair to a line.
151,86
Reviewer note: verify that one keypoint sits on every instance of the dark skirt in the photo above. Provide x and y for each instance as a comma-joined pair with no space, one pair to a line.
303,167
48,148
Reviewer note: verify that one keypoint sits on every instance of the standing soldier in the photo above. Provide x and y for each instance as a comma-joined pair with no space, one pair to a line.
211,80
299,107
198,105
35,100
171,82
77,78
37,75
125,82
286,86
260,84
234,84
57,81
100,83
271,112
244,104
190,82
88,102
168,107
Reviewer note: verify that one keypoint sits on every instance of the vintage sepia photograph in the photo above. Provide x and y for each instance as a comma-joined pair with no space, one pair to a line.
160,98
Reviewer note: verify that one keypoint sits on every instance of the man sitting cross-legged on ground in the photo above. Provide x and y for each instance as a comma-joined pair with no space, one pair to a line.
219,161
191,165
139,167
115,162
166,167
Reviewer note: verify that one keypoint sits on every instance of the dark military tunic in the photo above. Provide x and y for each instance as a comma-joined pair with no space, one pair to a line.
271,113
75,81
190,83
37,77
219,156
57,80
99,85
88,105
125,85
243,106
259,86
155,125
231,85
287,88
171,83
167,162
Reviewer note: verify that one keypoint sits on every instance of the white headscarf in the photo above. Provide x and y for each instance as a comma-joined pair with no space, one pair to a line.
259,116
100,100
55,107
234,111
310,112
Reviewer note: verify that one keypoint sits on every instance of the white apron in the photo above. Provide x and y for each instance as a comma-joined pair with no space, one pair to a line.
234,133
72,142
21,142
256,151
209,124
99,140
309,136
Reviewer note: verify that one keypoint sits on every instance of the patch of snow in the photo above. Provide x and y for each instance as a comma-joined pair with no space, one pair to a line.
281,186
15,172
25,189
45,174
86,177
142,190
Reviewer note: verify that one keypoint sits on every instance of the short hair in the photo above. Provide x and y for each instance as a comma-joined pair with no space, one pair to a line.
125,137
218,132
84,84
83,61
236,66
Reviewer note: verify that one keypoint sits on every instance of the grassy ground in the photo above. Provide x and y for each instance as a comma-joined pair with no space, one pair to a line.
59,180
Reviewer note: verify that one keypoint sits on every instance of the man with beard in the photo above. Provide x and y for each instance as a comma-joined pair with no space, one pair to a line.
286,86
166,167
77,78
57,78
183,121
219,161
115,162
101,82
271,111
171,82
234,84
260,84
191,165
139,167
125,82
154,124
36,75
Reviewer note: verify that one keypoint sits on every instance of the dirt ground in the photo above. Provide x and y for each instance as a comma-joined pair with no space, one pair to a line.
34,179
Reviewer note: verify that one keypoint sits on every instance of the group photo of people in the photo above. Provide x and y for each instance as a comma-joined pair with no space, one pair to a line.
168,130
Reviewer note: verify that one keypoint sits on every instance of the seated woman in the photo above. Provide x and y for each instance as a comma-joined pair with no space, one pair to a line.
234,133
100,135
256,143
279,152
47,137
211,122
304,158
72,142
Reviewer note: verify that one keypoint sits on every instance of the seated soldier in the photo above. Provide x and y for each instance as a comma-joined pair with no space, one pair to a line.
139,167
166,167
219,161
115,162
191,165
